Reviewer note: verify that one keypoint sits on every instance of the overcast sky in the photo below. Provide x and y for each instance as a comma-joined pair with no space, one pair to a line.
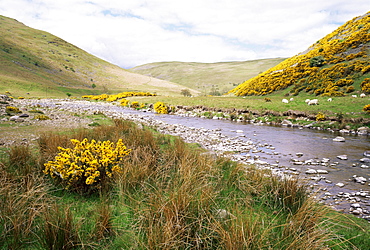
134,32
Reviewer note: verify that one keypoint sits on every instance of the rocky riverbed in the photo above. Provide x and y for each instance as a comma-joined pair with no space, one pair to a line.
350,195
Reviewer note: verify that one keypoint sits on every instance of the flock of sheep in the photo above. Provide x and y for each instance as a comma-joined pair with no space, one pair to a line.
316,101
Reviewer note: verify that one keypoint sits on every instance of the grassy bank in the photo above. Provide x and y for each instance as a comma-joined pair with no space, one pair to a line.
169,195
346,109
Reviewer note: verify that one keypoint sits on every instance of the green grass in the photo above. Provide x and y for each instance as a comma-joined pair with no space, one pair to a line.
170,195
347,106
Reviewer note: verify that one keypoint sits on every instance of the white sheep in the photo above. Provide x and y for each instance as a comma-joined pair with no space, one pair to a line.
291,99
330,99
307,101
362,95
285,101
354,96
313,102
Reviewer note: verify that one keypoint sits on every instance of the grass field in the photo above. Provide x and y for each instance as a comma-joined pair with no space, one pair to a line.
170,195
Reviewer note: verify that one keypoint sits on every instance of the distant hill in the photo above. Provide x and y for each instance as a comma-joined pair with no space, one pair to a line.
35,63
336,65
206,77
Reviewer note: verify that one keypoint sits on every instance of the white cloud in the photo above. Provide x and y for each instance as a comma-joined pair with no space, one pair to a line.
130,33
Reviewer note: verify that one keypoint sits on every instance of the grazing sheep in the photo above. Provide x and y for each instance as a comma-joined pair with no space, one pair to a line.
362,95
307,101
285,101
291,99
330,99
354,96
313,102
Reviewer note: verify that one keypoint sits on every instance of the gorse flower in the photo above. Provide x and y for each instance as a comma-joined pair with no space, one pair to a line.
88,164
160,108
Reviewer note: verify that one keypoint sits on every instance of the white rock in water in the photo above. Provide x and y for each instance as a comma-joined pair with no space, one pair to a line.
340,184
355,205
299,154
366,160
342,157
364,166
320,171
239,131
359,179
311,171
339,139
357,211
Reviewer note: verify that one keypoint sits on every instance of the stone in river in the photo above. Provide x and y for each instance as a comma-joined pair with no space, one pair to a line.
342,157
339,139
340,184
320,171
366,160
311,171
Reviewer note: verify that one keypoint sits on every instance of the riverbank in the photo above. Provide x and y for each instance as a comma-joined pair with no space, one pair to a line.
237,146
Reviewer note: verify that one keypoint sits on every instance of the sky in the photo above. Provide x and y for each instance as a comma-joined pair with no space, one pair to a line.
129,33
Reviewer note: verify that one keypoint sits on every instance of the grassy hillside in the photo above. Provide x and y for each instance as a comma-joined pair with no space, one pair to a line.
35,63
207,77
336,65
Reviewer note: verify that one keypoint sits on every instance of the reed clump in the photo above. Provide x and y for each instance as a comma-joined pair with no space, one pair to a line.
168,195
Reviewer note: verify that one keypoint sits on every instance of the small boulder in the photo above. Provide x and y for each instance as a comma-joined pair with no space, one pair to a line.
342,157
287,123
340,184
339,139
322,171
311,171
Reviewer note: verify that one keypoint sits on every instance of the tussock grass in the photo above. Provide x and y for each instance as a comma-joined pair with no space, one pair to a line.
169,196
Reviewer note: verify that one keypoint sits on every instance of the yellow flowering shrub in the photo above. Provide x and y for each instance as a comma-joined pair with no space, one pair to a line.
41,117
112,98
320,117
11,109
160,108
367,108
135,105
365,85
88,165
124,102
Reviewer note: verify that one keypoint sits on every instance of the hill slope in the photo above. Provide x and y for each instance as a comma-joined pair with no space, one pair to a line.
334,66
206,77
41,64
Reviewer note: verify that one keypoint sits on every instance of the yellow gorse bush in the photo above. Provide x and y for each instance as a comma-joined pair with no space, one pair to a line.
88,165
112,98
343,56
160,108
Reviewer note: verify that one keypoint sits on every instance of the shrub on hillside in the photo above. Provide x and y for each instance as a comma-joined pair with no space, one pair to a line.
365,85
317,61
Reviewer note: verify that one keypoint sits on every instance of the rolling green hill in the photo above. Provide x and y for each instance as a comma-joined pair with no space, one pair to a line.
35,63
207,77
336,65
